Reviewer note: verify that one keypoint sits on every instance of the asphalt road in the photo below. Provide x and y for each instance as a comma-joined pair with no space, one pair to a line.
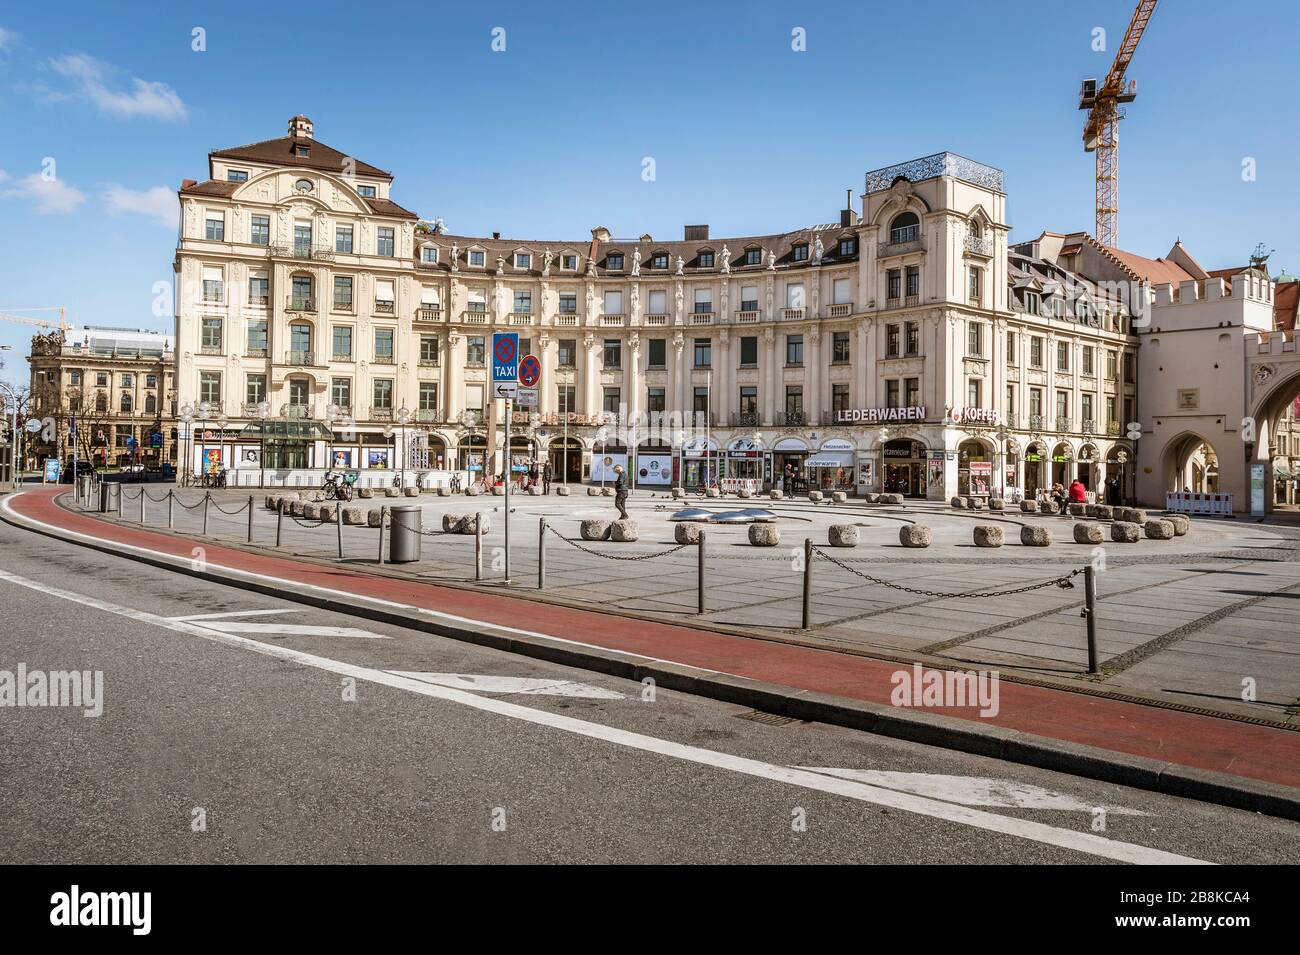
250,732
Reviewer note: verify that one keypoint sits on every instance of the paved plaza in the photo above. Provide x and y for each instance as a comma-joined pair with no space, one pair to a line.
1192,621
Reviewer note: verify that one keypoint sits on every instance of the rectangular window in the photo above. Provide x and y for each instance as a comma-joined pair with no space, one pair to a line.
476,257
254,389
569,262
913,281
703,352
215,226
385,296
749,352
211,334
128,381
474,398
428,350
1062,356
383,393
1110,411
891,341
523,260
706,260
613,303
657,355
894,284
840,348
428,397
302,240
703,301
794,349
258,289
840,292
659,260
1036,402
974,283
429,254
210,387
1011,402
366,192
749,400
343,292
384,242
794,401
655,400
342,342
1062,407
301,294
1088,359
1031,303
343,238
658,303
523,302
101,379
260,230
613,353
566,397
475,351
799,253
891,393
256,342
1036,352
236,175
567,351
913,338
383,344
610,399
1112,365
700,400
912,392
568,303
975,339
1011,348
749,298
839,398
794,297
973,393
614,262
1085,409
214,286
1128,369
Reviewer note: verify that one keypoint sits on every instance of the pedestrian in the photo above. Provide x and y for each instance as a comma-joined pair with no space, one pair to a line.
620,491
546,478
1078,493
532,472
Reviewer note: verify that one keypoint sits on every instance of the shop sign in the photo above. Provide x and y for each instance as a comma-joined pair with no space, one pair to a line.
973,416
872,415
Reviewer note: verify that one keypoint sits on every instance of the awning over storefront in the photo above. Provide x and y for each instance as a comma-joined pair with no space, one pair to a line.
276,430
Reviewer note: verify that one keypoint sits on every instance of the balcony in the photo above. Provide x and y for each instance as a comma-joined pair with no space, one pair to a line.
901,242
250,410
1036,422
428,363
611,321
746,419
292,410
340,412
343,306
911,301
258,301
894,302
211,350
748,317
787,419
428,313
1089,426
700,318
793,314
1064,424
656,320
301,358
427,415
842,310
297,304
381,414
301,250
341,356
383,307
383,360
519,318
980,245
475,316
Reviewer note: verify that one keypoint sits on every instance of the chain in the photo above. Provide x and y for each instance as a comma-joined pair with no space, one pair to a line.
1065,583
432,532
239,510
301,523
190,507
156,500
597,553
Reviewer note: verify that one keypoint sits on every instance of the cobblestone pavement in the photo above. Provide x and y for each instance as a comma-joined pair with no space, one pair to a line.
1199,621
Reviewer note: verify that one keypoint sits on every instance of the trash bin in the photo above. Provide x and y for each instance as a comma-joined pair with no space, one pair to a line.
404,534
84,482
109,492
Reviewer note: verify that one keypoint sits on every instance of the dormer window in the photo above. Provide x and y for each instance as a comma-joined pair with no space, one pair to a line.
476,257
753,257
800,252
301,150
366,192
705,260
523,260
904,228
569,263
614,261
236,175
429,254
659,260
848,246
304,185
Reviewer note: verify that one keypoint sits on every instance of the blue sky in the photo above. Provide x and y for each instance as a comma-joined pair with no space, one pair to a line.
546,139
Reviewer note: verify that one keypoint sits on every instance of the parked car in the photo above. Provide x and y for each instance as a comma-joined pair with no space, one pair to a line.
83,468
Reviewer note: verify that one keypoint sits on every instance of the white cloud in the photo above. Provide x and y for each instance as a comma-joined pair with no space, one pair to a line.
158,203
48,197
7,38
145,98
3,175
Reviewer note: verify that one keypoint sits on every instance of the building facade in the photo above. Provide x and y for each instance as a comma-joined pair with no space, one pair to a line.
117,384
901,347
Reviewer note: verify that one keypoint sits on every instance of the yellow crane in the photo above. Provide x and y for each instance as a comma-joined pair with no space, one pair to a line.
62,324
1101,130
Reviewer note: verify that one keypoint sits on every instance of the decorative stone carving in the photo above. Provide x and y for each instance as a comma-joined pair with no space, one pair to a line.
726,260
681,264
547,258
771,261
455,257
636,261
501,265
818,251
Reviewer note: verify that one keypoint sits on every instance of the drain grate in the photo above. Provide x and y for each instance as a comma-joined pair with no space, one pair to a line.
770,719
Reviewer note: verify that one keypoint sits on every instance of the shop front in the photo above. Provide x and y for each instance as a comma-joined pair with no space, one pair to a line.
974,469
1033,471
701,463
1062,465
654,465
521,458
831,468
744,466
472,453
604,458
566,460
788,457
904,468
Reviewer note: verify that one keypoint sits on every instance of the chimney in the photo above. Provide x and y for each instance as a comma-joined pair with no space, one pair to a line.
300,127
186,183
697,233
848,218
496,235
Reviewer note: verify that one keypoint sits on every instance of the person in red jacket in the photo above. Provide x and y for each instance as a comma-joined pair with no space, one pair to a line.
1078,493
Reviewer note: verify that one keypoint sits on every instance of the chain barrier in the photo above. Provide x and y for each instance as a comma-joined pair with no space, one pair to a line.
432,532
239,510
190,507
156,500
301,523
597,553
1065,583
128,497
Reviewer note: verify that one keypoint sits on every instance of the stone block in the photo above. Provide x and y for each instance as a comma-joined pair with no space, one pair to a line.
1138,515
411,491
606,492
273,502
296,508
997,504
449,522
472,491
376,514
764,535
711,492
1076,509
594,530
839,497
957,502
975,503
871,497
392,492
1159,530
329,511
687,532
467,523
593,492
562,490
534,490
744,493
365,492
1029,507
624,531
311,511
891,499
1125,532
1033,536
444,490
843,535
677,493
1182,523
988,535
1049,507
499,490
915,535
1103,512
1085,533
775,495
814,497
354,516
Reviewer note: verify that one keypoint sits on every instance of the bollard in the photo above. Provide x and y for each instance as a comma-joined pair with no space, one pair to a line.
143,497
478,545
383,519
807,581
1090,614
171,495
699,573
338,523
250,518
279,522
541,553
207,496
120,489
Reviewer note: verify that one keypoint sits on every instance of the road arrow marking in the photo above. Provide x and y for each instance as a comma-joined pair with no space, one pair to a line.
238,613
530,686
971,790
288,629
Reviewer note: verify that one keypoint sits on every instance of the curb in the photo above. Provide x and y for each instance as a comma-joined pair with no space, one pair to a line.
915,726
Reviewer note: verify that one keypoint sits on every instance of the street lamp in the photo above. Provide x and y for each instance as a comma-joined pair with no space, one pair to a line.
403,416
388,435
263,410
1122,457
14,444
467,421
601,435
187,417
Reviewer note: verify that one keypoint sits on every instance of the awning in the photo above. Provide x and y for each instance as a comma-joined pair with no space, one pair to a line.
280,430
1282,471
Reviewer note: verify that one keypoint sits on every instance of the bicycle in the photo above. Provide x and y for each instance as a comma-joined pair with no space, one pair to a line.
215,479
338,486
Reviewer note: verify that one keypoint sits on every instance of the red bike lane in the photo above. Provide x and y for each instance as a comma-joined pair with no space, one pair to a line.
1263,753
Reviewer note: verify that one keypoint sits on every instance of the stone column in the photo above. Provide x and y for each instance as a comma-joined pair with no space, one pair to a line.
632,399
813,376
723,377
455,375
547,387
590,402
769,376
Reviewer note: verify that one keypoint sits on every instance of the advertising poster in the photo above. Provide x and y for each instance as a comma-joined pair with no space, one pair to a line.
655,469
250,457
377,459
341,458
866,473
602,466
51,471
212,459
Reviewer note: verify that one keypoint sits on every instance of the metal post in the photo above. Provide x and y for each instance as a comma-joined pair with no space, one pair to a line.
699,571
171,498
478,545
250,518
807,582
509,475
207,496
143,498
541,553
1090,614
120,489
383,519
279,522
338,523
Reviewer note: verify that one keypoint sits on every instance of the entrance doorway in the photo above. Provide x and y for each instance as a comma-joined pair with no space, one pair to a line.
974,469
904,468
565,455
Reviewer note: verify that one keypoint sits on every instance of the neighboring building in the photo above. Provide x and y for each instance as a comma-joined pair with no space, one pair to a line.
118,384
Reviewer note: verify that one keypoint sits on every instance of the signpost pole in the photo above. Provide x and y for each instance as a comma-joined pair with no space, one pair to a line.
509,473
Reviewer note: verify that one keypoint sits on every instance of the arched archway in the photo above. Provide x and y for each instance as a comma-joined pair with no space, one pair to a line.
975,467
1277,442
1035,469
1190,463
1089,466
565,455
1062,464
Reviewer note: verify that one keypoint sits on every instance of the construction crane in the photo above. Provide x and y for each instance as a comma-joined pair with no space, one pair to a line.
1101,131
61,324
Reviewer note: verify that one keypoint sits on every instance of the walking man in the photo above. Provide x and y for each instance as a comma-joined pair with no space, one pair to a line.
546,478
620,491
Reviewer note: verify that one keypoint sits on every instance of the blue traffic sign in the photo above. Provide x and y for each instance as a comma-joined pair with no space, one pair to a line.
505,356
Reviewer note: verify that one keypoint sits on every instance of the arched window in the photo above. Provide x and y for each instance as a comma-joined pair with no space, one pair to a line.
101,402
126,403
974,228
150,404
906,227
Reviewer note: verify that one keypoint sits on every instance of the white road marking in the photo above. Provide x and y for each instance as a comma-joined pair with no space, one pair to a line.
1086,842
289,629
973,790
523,685
238,613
